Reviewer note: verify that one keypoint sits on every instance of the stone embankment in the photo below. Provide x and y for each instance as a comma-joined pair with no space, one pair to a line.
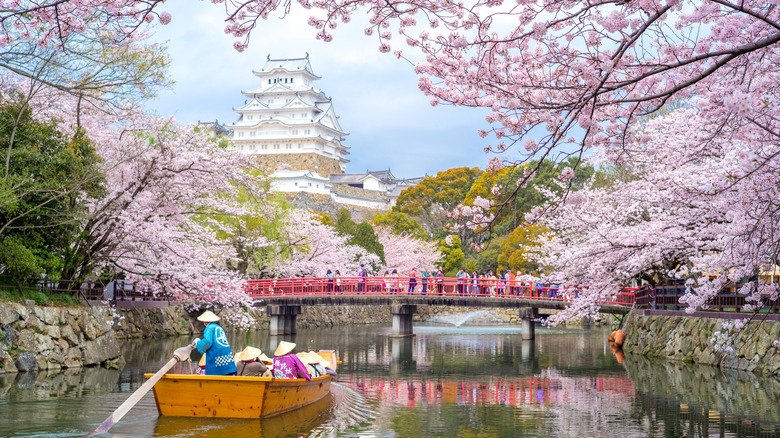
689,339
175,321
36,338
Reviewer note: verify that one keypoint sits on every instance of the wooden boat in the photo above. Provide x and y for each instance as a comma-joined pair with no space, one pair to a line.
193,395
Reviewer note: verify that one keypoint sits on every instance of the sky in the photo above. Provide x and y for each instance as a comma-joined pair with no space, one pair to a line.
390,122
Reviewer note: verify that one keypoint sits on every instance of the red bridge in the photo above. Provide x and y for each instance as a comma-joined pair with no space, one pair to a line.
284,297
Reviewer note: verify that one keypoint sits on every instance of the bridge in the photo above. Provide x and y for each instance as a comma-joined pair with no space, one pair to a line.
284,297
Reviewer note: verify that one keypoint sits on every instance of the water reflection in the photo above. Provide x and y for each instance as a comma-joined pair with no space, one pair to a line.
706,399
445,381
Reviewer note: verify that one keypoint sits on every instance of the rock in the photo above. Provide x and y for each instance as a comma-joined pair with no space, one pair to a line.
23,311
9,335
8,315
56,358
26,362
101,349
88,327
53,331
73,358
7,363
26,341
41,364
68,334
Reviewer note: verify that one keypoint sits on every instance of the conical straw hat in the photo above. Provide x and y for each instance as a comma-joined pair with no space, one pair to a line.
264,358
284,348
208,316
202,361
249,353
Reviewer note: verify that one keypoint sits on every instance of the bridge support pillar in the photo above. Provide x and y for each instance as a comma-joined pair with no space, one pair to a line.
284,319
528,315
402,319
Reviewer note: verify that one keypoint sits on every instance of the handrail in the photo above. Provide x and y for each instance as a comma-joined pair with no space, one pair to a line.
440,286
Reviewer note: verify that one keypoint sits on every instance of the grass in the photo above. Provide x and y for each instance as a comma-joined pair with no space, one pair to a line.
12,294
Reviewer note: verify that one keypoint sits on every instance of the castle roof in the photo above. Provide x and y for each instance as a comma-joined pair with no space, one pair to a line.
291,65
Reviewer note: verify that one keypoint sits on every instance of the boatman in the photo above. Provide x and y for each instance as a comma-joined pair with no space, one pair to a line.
219,357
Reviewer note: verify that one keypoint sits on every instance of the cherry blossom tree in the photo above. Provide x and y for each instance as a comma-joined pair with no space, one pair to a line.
404,252
158,218
316,247
699,203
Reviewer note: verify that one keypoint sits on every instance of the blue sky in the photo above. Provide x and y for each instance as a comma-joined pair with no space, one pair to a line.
390,121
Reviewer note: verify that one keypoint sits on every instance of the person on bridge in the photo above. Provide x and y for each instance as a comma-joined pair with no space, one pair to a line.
287,365
219,357
412,280
362,274
461,275
424,274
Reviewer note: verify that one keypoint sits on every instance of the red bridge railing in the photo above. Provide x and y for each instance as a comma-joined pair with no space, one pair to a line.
442,286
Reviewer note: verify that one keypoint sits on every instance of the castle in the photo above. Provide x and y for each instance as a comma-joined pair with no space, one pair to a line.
292,128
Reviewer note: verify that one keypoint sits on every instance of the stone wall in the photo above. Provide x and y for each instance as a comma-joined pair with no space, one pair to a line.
315,163
324,204
687,339
36,338
174,321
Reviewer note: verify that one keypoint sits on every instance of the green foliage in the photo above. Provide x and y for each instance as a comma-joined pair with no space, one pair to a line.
516,251
446,190
361,235
428,200
452,256
47,178
515,202
400,223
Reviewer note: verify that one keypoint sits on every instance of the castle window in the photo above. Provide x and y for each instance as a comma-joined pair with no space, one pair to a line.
291,79
285,80
309,184
276,146
294,132
307,132
299,146
240,134
252,147
292,116
269,81
265,147
251,133
296,183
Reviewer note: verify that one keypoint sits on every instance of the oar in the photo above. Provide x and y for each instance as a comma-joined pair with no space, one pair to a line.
180,355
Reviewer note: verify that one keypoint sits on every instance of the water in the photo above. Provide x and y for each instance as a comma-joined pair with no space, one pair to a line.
458,319
447,381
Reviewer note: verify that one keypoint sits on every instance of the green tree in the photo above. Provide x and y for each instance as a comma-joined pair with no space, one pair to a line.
517,250
400,223
46,181
452,255
428,200
360,234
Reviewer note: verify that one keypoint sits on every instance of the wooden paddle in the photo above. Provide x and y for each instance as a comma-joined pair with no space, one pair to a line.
180,355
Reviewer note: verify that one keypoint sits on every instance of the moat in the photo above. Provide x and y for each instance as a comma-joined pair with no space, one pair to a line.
445,381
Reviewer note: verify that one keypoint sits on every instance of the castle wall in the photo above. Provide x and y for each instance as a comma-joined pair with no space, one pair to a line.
318,164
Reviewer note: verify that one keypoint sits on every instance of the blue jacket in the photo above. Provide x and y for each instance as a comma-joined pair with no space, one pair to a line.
219,357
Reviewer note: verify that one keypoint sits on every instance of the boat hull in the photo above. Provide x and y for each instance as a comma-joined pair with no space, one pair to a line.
185,395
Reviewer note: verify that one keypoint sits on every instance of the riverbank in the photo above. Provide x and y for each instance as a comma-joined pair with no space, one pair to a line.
34,338
689,339
175,321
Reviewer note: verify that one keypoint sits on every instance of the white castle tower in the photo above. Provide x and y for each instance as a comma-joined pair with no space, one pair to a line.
287,120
